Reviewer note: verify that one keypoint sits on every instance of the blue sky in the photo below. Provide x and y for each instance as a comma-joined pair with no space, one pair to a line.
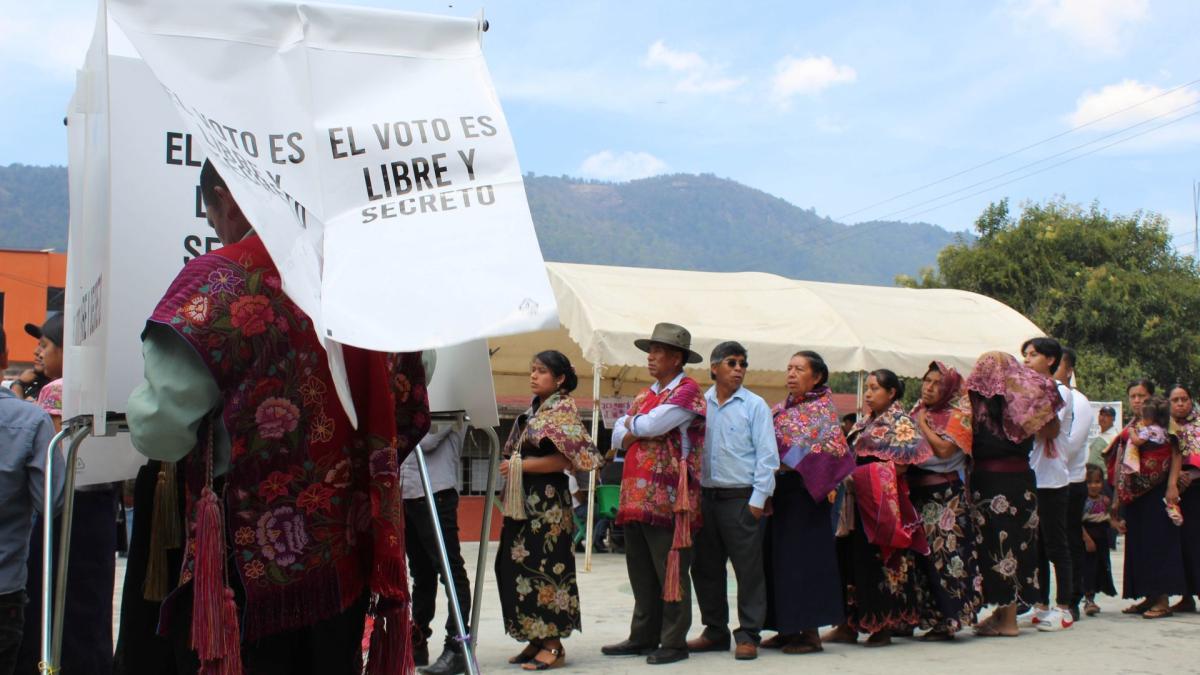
833,106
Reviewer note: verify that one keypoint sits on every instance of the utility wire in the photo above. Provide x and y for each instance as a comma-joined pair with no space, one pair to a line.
1017,151
856,233
1056,155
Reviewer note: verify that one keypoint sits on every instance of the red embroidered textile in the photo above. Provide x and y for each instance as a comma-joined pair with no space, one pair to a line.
1154,467
888,517
651,474
950,414
312,507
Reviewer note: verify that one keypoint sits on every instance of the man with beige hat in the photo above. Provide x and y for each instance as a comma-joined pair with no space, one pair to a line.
663,437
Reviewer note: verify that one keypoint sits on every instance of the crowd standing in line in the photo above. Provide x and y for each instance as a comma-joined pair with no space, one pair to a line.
275,534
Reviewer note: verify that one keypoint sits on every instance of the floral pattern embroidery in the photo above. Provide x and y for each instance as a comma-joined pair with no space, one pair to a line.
949,575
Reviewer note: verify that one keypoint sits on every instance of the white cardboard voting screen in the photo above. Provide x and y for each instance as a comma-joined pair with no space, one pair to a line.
328,99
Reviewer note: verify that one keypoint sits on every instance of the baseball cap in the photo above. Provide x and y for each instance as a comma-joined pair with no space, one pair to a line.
52,329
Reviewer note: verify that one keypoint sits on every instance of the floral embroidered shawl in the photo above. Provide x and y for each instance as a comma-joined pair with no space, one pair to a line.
312,507
889,519
651,474
1188,433
891,435
556,419
1096,510
1154,466
1031,400
810,439
950,415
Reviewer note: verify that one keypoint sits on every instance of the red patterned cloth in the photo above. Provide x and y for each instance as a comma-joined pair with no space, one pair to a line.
810,439
652,465
312,508
950,414
888,517
1154,466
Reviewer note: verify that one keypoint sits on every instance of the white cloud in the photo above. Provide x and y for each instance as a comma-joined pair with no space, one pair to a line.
1114,97
662,55
808,75
1096,24
607,165
50,37
700,77
830,125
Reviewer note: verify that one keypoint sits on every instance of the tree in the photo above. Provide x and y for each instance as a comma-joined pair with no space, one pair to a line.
1111,286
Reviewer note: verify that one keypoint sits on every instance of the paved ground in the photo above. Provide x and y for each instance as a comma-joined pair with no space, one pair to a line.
1109,643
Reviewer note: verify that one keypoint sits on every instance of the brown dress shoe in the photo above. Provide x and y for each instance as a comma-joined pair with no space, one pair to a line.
707,644
746,651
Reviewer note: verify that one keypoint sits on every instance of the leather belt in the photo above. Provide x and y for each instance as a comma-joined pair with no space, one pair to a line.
727,493
1003,465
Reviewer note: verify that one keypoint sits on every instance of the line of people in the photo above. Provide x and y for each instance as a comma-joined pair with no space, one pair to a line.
913,520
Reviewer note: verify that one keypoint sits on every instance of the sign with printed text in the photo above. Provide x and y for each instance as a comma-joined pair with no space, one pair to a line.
398,221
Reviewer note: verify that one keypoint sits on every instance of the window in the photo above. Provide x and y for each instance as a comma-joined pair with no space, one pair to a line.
54,299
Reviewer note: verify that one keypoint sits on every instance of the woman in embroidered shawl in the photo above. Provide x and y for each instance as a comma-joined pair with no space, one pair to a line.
803,585
535,563
1154,567
949,575
876,557
1010,404
1185,473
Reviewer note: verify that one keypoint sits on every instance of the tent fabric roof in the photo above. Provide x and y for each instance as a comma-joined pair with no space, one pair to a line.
604,309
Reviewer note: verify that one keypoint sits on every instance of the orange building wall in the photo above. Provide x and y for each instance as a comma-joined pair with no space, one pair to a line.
24,278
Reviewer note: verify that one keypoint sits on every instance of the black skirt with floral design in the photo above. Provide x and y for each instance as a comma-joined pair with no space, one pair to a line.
949,576
1005,507
535,564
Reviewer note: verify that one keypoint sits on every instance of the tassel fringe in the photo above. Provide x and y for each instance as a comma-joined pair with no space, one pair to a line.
390,652
165,533
672,585
215,633
514,490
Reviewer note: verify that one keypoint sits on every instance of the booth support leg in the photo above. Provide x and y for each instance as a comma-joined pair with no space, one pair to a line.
463,638
54,585
485,534
597,374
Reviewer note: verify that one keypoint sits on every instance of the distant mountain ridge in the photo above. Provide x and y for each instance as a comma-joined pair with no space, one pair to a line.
680,221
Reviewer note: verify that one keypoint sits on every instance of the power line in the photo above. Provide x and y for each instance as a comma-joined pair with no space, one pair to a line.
1058,164
850,235
1040,161
1018,150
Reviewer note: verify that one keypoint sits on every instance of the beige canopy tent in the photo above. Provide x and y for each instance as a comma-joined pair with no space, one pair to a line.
602,310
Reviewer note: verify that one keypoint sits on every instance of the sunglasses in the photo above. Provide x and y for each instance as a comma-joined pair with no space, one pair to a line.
734,363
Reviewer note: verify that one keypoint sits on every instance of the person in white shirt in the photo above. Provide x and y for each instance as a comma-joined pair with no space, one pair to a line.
1077,457
1049,461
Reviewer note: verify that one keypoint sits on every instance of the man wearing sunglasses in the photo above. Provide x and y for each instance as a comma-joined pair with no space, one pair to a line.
737,477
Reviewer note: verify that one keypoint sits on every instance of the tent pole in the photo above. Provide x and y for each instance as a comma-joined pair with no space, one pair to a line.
597,372
858,405
485,533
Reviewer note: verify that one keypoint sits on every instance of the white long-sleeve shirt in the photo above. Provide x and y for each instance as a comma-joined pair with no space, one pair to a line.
658,421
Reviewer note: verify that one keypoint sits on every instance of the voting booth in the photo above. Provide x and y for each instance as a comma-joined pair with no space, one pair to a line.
367,148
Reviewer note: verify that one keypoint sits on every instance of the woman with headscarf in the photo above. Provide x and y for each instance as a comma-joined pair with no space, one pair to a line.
803,585
876,557
1010,404
535,563
949,575
1182,488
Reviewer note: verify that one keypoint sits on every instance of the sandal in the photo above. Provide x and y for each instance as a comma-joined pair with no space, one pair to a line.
807,642
990,630
560,660
1137,608
1091,609
1187,604
531,650
777,641
1157,613
882,638
937,635
842,634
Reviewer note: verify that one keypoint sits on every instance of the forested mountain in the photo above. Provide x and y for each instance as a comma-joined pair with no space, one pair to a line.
678,221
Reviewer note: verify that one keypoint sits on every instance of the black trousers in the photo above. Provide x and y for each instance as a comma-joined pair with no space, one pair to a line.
1053,546
12,626
655,621
425,567
730,533
1077,496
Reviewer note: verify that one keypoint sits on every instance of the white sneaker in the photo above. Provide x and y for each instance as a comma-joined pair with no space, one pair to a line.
1031,616
1054,620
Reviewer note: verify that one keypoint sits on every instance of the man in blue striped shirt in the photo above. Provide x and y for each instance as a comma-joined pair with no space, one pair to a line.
737,478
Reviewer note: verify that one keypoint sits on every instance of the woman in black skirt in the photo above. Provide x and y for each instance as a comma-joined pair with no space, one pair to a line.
803,585
949,575
878,558
1009,405
1154,568
1185,424
535,563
